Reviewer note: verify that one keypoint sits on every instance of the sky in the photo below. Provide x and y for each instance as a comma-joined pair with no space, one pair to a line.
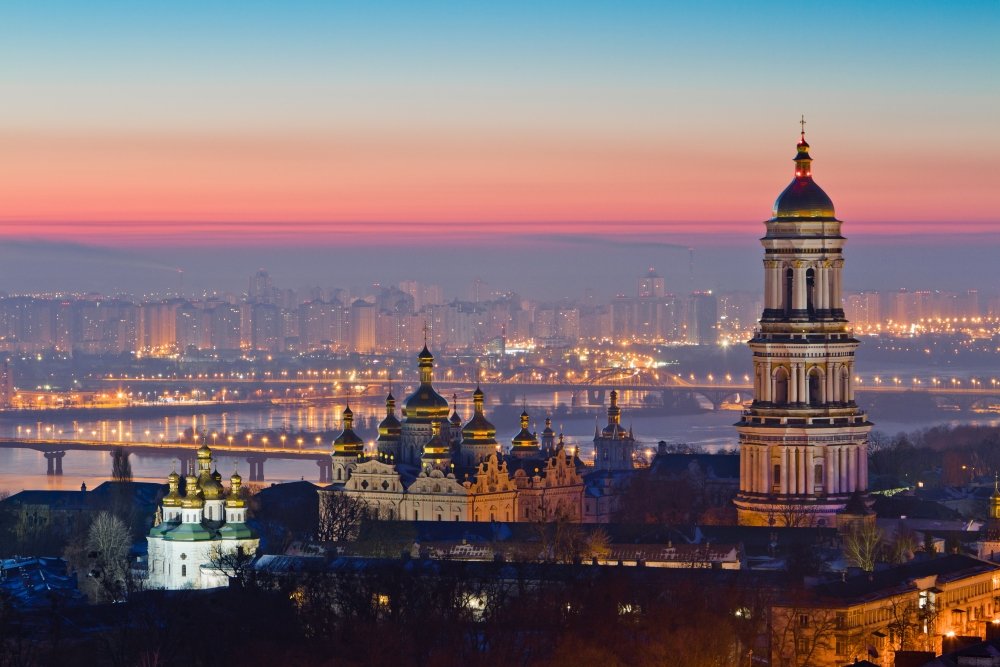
490,126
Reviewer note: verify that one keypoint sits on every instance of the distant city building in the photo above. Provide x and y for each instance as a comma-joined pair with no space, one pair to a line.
363,327
804,441
651,286
6,384
703,319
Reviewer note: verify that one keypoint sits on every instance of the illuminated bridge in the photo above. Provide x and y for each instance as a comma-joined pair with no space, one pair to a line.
55,450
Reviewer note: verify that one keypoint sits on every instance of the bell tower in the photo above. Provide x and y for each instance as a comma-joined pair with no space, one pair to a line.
803,442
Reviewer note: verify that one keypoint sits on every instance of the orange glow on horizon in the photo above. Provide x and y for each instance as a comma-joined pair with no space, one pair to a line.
185,189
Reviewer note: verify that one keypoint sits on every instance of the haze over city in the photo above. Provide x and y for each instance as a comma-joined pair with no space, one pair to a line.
305,139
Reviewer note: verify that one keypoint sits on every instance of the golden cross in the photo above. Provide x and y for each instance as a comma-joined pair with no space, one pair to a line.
802,123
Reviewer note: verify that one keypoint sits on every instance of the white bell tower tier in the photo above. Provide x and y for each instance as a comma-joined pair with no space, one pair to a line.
803,442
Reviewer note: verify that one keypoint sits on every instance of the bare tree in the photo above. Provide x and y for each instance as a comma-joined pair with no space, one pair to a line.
340,516
108,542
121,468
788,515
863,543
235,563
803,633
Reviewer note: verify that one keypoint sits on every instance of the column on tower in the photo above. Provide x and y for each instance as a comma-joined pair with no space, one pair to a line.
802,470
743,472
793,383
842,469
799,286
765,462
784,470
766,385
828,457
851,471
863,467
838,265
803,394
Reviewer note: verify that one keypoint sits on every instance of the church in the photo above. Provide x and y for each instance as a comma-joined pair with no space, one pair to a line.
429,466
191,528
803,441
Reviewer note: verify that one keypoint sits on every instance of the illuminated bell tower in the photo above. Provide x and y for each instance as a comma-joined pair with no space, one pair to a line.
803,442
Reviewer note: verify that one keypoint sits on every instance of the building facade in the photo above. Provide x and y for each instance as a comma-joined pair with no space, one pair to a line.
430,467
803,442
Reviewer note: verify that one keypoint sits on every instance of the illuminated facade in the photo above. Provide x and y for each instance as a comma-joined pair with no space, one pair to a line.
803,442
193,528
429,467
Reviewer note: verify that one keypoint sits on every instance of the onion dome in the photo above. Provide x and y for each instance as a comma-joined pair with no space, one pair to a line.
173,497
548,432
389,429
234,499
524,441
348,443
436,450
209,485
803,199
216,476
425,405
456,421
192,494
479,430
614,427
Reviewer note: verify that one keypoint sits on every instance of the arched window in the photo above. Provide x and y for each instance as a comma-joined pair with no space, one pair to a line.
816,393
818,474
780,394
845,385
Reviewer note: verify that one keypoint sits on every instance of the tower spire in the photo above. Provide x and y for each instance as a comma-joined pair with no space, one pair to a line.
802,124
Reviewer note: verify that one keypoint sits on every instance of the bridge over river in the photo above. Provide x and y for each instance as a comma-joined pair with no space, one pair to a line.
55,451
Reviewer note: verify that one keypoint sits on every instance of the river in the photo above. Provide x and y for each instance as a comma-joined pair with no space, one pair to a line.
25,468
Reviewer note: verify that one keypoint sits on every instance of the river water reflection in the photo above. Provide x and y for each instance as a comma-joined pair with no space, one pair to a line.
25,468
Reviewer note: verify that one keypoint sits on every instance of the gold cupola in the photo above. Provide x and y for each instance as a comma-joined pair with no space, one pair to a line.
234,499
803,199
211,488
479,430
173,497
348,443
389,429
425,405
192,494
525,442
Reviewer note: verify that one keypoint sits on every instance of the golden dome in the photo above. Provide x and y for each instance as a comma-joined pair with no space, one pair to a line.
173,497
211,488
233,499
479,430
436,449
525,439
348,442
389,429
425,404
803,199
192,494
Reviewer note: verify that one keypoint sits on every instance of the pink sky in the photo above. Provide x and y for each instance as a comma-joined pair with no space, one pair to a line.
121,187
